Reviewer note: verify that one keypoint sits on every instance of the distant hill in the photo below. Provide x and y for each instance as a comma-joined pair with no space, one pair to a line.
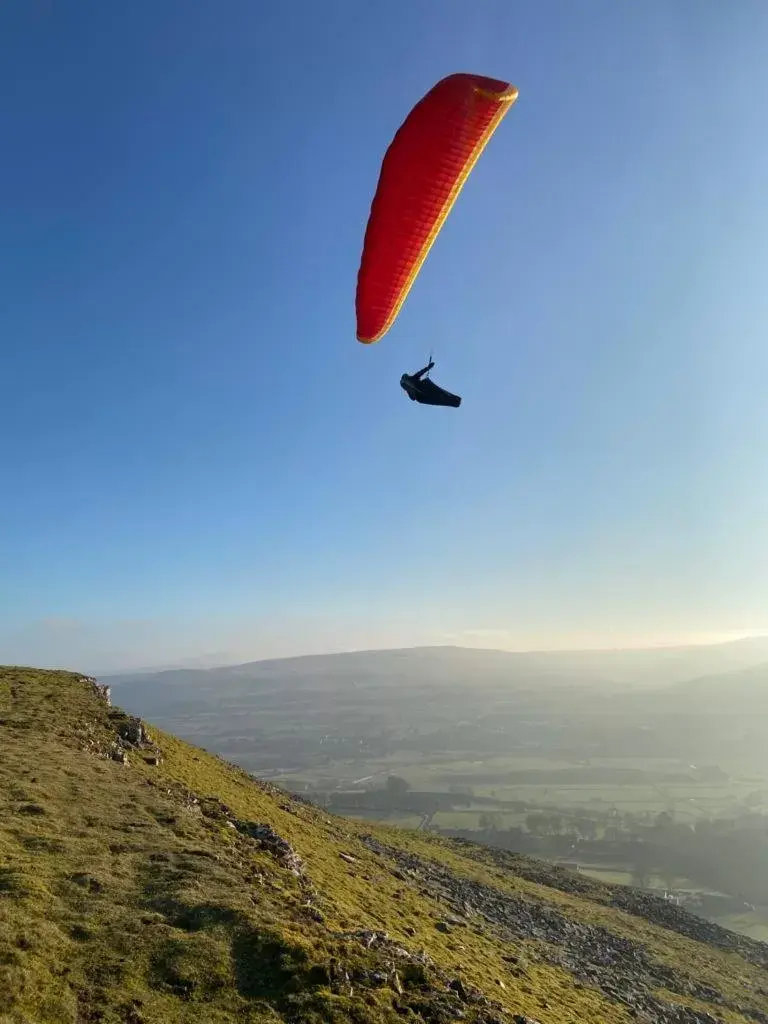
653,666
393,677
144,881
417,674
743,693
272,716
426,666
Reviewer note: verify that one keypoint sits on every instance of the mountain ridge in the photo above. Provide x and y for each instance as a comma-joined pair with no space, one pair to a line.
635,666
144,881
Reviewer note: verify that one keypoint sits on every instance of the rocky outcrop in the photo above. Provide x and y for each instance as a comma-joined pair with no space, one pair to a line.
261,833
661,912
131,730
102,691
632,901
118,753
447,998
269,840
131,734
621,968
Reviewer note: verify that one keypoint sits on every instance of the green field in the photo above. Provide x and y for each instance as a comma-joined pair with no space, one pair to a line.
689,801
754,925
618,875
612,875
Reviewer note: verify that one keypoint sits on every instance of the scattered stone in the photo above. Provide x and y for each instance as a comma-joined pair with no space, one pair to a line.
117,753
623,969
280,848
455,922
104,692
348,858
381,940
633,901
368,938
339,978
132,731
457,986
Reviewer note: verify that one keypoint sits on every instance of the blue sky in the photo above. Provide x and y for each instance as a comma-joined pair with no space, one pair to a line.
198,458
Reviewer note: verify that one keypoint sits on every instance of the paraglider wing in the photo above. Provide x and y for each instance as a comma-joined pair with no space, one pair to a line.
422,173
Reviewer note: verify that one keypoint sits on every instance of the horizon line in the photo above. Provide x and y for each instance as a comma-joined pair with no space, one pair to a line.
630,649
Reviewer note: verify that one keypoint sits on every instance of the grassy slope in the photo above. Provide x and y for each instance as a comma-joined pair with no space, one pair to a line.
127,897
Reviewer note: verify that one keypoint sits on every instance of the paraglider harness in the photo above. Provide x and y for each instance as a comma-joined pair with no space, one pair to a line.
420,388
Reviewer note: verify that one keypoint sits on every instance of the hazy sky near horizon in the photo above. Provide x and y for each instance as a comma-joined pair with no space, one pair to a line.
198,459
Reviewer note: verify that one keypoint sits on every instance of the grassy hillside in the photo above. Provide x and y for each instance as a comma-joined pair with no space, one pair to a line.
144,880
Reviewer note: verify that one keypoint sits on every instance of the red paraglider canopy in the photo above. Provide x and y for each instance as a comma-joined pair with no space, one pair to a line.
422,173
